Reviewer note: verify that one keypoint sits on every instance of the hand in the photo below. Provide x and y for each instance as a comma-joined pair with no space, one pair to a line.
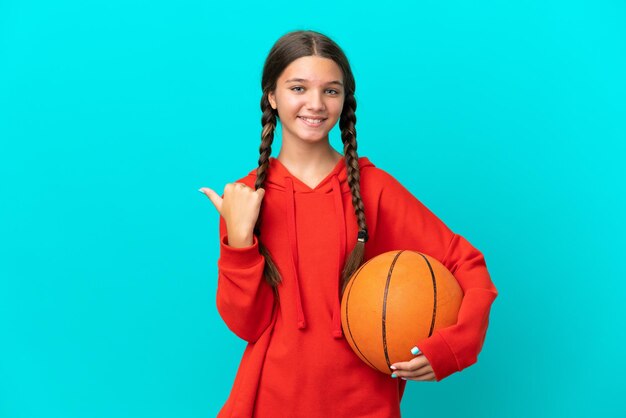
240,206
416,369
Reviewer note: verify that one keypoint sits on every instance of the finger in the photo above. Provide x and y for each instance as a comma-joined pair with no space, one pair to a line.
214,197
416,363
403,365
412,368
261,192
417,373
429,377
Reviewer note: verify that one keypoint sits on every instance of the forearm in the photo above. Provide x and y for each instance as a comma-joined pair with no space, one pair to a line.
244,299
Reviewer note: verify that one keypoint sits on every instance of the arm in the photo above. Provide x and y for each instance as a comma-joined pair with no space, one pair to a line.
405,223
244,299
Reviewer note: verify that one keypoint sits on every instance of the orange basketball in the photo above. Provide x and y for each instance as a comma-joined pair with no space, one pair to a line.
392,301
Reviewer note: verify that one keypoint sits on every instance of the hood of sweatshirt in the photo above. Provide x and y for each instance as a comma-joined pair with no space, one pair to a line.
336,182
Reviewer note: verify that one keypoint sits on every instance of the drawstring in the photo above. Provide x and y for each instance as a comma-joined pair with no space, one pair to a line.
293,245
293,241
342,253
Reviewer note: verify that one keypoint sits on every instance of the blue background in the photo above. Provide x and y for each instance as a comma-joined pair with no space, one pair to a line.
508,120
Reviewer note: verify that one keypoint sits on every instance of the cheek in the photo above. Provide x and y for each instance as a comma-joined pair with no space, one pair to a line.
337,107
291,103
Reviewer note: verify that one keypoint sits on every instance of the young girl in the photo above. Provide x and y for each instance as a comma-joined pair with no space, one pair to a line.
292,232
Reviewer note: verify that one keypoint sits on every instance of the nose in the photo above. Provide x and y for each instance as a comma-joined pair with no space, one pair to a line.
316,100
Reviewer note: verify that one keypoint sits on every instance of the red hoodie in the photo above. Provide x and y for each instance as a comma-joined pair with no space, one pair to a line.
297,363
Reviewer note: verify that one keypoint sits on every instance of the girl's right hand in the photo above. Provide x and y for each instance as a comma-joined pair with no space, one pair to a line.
240,209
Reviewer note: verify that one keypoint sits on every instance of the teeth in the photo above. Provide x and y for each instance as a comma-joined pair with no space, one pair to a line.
312,120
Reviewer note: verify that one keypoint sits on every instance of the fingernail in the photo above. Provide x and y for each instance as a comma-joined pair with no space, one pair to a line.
394,375
403,378
415,351
200,190
392,367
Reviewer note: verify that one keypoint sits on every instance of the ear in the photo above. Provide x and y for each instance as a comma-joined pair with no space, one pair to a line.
272,99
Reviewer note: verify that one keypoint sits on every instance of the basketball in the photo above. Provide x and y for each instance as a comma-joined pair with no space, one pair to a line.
392,301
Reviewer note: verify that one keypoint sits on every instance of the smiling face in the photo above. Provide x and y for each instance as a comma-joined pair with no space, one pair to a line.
309,98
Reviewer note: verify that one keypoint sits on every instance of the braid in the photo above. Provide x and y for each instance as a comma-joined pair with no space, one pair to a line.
268,121
348,137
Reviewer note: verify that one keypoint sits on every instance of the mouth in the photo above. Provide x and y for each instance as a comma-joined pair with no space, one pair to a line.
313,122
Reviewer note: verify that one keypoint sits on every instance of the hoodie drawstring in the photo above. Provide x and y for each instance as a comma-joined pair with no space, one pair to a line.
341,254
293,245
293,241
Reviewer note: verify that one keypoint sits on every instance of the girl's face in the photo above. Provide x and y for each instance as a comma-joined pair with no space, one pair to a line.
309,98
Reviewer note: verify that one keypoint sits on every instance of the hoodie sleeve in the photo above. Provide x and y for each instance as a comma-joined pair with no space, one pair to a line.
244,299
405,223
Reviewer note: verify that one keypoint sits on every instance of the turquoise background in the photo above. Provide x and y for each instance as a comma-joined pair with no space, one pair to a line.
508,120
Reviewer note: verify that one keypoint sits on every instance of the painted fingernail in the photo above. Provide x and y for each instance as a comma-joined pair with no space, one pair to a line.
394,375
392,367
415,351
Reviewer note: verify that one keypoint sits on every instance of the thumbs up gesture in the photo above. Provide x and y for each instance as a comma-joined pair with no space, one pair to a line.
240,209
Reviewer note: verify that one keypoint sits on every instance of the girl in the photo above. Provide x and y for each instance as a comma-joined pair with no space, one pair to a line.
292,232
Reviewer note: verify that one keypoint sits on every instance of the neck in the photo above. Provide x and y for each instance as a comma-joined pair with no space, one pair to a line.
308,156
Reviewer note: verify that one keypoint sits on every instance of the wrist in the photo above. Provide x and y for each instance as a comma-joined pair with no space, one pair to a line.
240,239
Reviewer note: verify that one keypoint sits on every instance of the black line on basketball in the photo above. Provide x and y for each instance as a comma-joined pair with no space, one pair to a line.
356,275
384,318
432,274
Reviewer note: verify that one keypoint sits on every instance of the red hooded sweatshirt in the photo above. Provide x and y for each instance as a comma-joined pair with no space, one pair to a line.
297,364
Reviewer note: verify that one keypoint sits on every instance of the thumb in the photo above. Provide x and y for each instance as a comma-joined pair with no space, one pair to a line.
214,197
260,191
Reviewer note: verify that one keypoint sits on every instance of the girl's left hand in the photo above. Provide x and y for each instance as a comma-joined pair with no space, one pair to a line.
416,369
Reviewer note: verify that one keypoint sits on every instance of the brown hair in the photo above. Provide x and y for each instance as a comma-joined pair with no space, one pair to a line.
288,48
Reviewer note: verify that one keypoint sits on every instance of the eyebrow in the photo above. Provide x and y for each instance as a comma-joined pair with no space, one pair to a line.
300,80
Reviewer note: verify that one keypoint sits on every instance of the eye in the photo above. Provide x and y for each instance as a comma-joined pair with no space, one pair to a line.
296,87
335,92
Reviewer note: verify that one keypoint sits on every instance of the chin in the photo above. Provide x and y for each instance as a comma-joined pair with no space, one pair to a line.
316,138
